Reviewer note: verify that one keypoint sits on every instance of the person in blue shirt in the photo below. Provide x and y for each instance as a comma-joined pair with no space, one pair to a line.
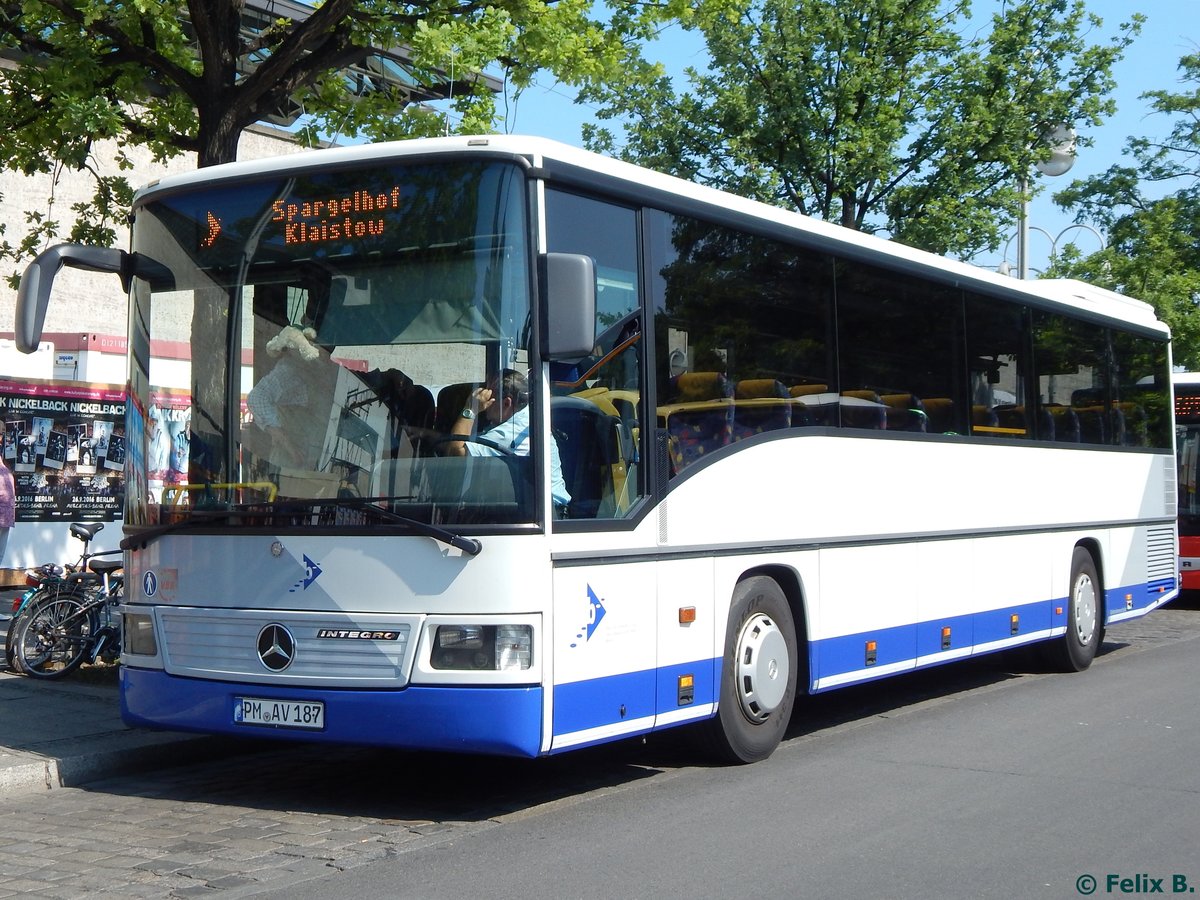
499,414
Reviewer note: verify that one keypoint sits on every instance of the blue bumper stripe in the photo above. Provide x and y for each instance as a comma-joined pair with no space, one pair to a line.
497,720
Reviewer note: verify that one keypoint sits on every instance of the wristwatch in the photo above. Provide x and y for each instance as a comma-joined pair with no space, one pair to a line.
467,413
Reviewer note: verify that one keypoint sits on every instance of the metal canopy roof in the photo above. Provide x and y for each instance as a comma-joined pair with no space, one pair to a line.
380,69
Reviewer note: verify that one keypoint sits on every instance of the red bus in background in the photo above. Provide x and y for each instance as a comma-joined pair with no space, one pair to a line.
1187,447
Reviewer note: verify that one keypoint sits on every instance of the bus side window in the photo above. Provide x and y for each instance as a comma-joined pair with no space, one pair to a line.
596,409
699,417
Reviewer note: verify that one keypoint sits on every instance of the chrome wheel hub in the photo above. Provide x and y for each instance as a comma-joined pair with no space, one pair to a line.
1084,601
763,668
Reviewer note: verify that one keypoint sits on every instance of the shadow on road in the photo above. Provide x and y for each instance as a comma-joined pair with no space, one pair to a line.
419,788
435,787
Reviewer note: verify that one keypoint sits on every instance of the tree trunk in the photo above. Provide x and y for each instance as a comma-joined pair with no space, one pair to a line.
218,135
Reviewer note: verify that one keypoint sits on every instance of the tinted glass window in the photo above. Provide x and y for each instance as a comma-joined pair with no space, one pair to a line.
1072,361
898,351
997,370
1141,390
596,409
743,336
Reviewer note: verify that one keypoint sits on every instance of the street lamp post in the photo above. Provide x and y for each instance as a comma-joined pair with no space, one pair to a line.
1055,239
1062,141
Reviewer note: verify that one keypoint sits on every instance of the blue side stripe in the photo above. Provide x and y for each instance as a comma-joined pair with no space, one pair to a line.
905,643
1156,589
704,671
929,634
581,705
597,702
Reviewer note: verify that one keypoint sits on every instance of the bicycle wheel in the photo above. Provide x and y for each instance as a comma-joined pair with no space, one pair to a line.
40,595
10,653
54,637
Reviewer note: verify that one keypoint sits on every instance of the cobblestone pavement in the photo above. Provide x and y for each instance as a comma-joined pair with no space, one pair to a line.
234,826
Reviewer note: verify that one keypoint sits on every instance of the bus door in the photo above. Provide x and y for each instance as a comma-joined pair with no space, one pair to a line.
605,647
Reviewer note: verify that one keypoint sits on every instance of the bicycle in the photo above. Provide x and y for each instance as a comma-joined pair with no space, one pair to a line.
62,631
50,579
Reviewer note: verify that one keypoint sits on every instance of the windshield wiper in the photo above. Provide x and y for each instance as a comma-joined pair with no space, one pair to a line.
199,517
142,539
467,545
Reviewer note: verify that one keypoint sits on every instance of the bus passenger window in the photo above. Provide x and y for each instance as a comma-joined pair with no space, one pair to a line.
596,403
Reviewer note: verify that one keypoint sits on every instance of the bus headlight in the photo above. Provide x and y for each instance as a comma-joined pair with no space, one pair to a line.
500,648
138,635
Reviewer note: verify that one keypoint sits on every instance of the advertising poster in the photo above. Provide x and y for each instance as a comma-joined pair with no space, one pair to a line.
65,443
168,428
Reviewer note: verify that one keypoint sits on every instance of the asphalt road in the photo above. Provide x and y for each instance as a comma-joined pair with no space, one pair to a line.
989,779
1019,787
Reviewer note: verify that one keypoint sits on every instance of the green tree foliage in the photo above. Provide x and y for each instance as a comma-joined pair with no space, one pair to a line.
1153,250
906,117
183,75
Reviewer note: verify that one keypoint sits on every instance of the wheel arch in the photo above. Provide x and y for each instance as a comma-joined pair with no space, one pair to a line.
789,582
1092,546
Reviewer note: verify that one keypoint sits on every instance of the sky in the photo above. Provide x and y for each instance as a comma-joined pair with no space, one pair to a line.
1172,29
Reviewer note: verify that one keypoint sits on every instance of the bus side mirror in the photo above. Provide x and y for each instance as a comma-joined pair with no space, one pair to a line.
569,300
33,297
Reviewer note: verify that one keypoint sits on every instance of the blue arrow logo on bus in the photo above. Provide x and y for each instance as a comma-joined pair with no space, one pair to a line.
311,573
596,613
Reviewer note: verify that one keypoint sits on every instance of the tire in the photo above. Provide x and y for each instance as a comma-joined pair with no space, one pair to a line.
758,675
53,638
1076,649
10,650
10,653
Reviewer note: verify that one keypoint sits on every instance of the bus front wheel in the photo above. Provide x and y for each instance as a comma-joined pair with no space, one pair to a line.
758,675
1076,649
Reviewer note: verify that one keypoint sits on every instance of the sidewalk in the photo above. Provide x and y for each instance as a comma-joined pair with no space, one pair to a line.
68,732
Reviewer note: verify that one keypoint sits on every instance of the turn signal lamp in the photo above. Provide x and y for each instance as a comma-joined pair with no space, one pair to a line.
687,690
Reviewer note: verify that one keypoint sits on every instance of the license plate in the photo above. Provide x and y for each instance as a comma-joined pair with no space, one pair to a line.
279,713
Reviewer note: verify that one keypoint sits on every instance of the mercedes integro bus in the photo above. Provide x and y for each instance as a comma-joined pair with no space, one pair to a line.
498,446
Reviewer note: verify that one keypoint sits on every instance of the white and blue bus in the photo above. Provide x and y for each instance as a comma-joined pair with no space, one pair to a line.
499,446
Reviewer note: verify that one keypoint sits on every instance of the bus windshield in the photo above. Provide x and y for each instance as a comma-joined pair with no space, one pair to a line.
317,337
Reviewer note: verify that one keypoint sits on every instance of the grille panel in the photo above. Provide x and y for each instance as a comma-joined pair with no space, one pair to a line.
223,644
1160,553
1171,486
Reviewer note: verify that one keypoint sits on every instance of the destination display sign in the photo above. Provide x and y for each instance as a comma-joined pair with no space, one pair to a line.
338,212
359,214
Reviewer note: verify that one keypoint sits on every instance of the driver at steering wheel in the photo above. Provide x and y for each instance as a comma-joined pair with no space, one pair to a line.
503,406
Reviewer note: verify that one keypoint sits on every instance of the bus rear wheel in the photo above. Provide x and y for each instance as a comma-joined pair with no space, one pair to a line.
758,675
1076,649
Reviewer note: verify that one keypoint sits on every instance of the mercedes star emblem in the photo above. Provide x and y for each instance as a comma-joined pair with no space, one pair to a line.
276,647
